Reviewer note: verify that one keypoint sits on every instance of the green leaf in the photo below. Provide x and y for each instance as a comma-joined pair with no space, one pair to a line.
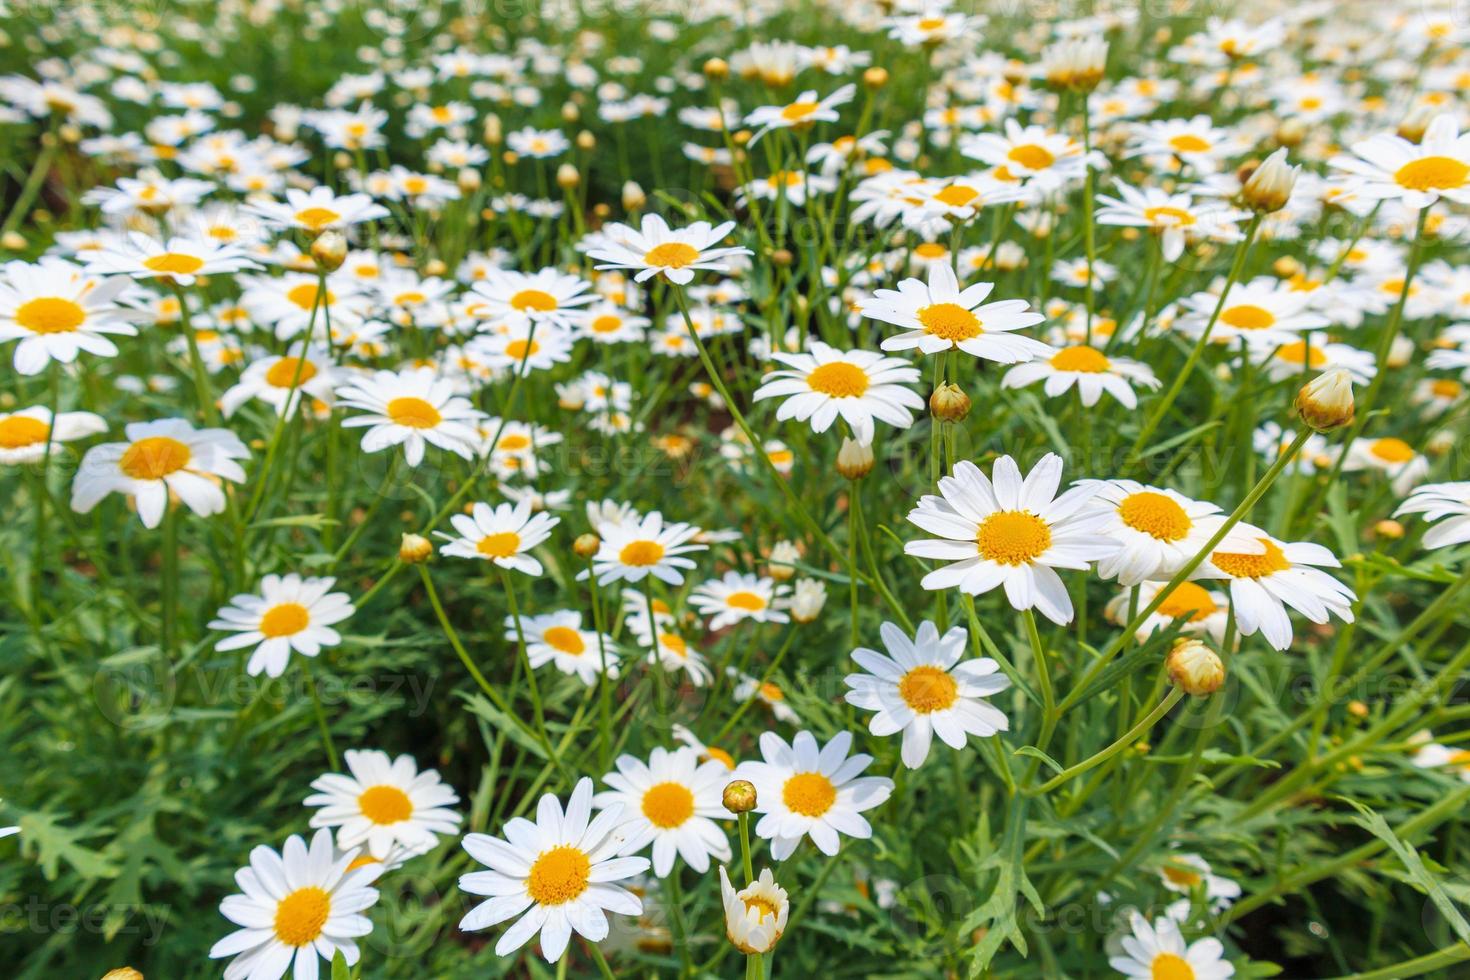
1032,752
1370,821
45,837
339,967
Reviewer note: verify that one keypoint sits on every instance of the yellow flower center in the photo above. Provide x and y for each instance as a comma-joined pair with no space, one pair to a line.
154,458
1252,566
957,195
641,554
607,324
927,689
1031,156
931,23
1013,537
748,601
50,314
1167,966
385,804
288,370
1441,388
930,250
533,299
1391,450
409,298
1155,514
1180,875
1298,352
305,295
519,350
284,619
1188,599
502,544
1088,360
563,638
559,875
720,755
1248,317
838,379
671,255
1158,215
514,443
949,321
797,111
771,692
1189,143
763,906
809,793
415,413
1432,174
668,805
301,916
174,262
317,218
674,642
22,430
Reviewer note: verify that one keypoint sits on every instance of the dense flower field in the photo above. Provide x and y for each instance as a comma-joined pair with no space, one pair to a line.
807,488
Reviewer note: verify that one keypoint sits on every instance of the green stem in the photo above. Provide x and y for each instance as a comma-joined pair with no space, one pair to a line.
1127,739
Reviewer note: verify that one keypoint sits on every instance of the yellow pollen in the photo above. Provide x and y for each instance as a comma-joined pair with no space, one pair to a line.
1189,143
1188,599
745,600
1156,515
949,321
720,755
50,314
957,195
414,413
1298,352
931,23
671,255
284,619
562,638
502,544
22,430
797,111
1248,317
641,554
1432,174
1083,358
301,916
1167,966
317,218
154,458
1392,450
385,804
174,262
1013,537
763,906
405,299
362,861
533,299
927,689
668,805
1180,216
1252,566
809,793
513,443
559,875
1031,156
838,379
288,370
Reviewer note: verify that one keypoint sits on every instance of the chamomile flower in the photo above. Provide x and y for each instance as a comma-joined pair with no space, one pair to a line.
858,385
672,802
547,297
57,311
1201,610
560,871
1158,530
1432,755
168,457
502,535
1448,504
1390,456
296,906
290,613
1031,154
940,316
178,259
410,409
1184,873
1087,369
558,638
756,915
1012,532
654,248
738,597
1197,143
282,382
922,689
317,210
384,803
809,790
804,111
764,692
1389,166
1159,952
638,546
1264,584
1262,313
1175,218
1294,359
28,435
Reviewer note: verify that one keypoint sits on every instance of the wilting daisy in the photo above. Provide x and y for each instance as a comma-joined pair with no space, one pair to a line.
1447,503
384,803
503,535
559,638
737,597
857,385
1262,586
281,382
559,870
672,802
639,546
940,316
291,613
1158,952
56,311
804,111
922,690
24,435
317,210
1087,369
178,259
1012,532
411,408
297,905
157,460
1389,166
1158,530
655,248
810,790
756,915
1390,456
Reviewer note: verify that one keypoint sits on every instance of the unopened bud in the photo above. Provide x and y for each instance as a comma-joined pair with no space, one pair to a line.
1075,64
1291,132
415,549
12,241
1389,528
435,267
494,133
329,250
586,141
1270,186
854,459
633,196
739,796
780,566
949,403
1194,668
717,68
1326,402
875,77
1416,122
567,177
1286,267
569,112
782,257
468,180
586,545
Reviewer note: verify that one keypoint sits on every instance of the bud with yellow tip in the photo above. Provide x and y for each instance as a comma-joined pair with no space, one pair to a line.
123,973
1270,185
414,549
329,250
875,77
854,459
739,796
1326,402
949,403
586,545
633,196
567,177
1194,668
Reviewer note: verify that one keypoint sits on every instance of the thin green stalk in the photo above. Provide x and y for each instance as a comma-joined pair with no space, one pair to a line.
1128,738
537,711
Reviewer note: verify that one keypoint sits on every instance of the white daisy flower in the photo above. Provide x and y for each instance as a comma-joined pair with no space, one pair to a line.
384,804
1031,154
858,385
1158,952
737,597
1184,873
768,693
558,638
297,905
1089,370
560,871
922,689
282,382
158,459
1012,533
1202,610
520,347
411,408
1263,313
636,546
1175,218
56,312
672,802
1158,530
1389,166
804,111
290,613
1393,457
1263,585
179,259
503,535
25,434
810,790
1295,359
1432,755
941,317
317,210
654,248
545,297
1446,503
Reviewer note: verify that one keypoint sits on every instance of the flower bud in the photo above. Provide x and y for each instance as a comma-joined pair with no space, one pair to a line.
1194,668
780,567
494,132
756,915
717,68
415,549
1269,187
1326,402
1291,132
807,599
124,973
1075,64
329,250
949,403
1286,267
567,177
875,77
782,257
854,459
586,140
586,545
435,267
12,241
1416,122
570,113
739,796
1400,352
633,196
468,180
1389,528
